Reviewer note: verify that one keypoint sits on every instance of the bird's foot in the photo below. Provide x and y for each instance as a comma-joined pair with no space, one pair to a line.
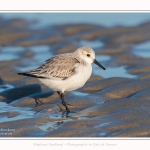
59,107
67,109
66,103
38,102
69,104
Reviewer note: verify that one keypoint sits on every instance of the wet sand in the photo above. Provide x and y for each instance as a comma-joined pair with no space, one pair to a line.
104,107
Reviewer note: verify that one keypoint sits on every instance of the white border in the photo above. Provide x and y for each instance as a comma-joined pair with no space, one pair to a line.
74,5
113,144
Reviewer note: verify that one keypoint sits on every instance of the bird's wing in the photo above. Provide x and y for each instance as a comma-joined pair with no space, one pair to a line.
58,67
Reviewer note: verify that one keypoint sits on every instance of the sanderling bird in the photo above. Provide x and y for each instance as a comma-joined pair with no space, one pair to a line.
66,72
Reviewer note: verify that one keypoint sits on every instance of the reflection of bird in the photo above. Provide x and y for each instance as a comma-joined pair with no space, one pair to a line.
66,72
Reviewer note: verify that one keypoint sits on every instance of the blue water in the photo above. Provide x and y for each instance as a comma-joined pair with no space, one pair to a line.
119,71
112,72
142,50
97,44
50,126
42,53
24,112
107,19
10,53
6,87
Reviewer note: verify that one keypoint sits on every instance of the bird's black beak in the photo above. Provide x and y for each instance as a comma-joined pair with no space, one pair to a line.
98,64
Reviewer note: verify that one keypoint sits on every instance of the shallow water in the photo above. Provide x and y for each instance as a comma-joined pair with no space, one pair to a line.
112,72
119,71
51,126
142,50
6,87
10,53
23,112
41,54
94,44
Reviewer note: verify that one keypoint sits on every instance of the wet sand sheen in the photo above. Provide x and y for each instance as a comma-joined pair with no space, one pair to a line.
114,106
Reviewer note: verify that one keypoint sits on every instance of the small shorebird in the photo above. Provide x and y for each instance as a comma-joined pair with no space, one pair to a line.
66,72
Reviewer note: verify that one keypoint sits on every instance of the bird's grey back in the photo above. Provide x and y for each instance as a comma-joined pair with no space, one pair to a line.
61,66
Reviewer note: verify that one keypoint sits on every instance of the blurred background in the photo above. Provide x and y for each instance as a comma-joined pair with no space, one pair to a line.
46,34
105,19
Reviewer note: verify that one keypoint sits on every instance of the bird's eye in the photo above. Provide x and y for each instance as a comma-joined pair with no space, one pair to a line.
88,55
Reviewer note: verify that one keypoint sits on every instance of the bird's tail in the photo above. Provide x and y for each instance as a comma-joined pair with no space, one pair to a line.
31,75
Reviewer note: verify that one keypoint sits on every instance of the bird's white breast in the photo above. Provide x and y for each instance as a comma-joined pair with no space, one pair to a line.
74,82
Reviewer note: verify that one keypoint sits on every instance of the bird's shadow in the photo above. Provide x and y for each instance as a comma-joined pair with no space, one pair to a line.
11,95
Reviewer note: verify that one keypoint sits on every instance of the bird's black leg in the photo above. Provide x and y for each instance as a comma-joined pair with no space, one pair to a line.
38,102
63,102
61,95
